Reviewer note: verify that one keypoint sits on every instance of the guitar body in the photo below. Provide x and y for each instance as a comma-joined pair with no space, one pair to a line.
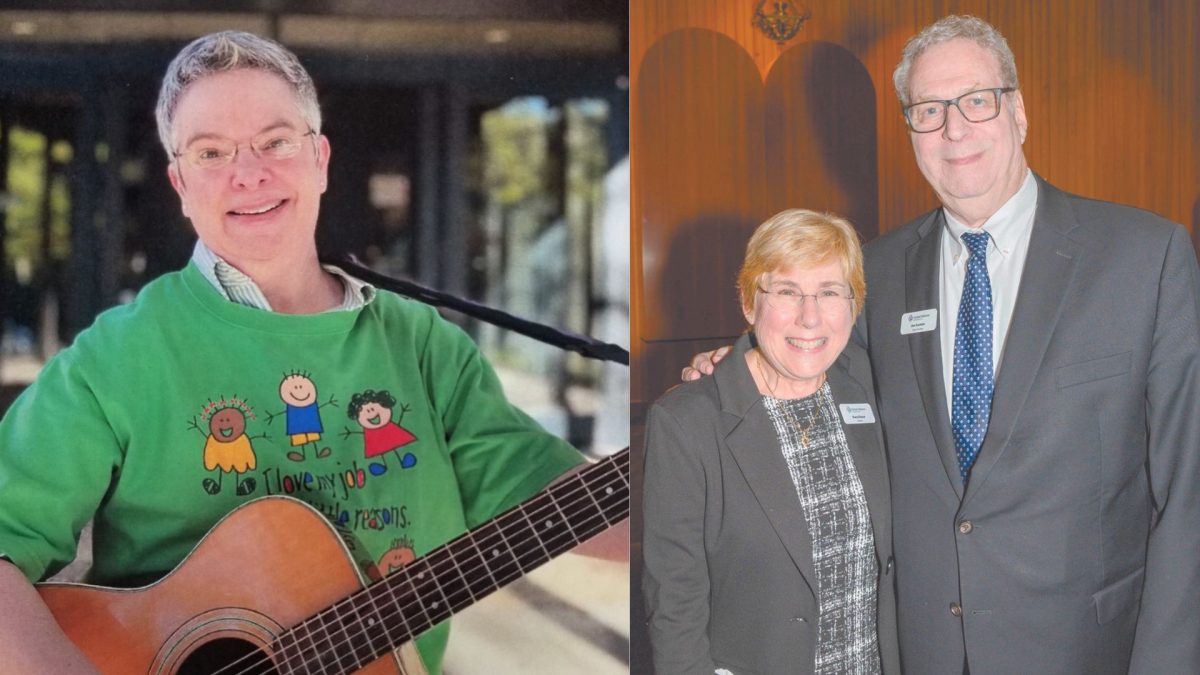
272,588
265,567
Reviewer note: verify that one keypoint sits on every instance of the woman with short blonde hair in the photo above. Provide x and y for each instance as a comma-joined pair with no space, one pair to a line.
767,539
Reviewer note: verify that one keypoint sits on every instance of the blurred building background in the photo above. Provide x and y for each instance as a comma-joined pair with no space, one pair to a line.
470,145
474,143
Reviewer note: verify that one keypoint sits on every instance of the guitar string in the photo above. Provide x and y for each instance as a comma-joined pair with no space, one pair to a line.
457,592
420,593
547,503
441,565
544,509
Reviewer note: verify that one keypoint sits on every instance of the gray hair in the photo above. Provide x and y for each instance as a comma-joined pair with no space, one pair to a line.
949,28
225,51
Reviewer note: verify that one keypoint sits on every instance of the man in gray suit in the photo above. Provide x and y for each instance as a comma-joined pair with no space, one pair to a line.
1037,387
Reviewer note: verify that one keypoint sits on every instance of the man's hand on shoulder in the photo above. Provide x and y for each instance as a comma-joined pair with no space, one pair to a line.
704,363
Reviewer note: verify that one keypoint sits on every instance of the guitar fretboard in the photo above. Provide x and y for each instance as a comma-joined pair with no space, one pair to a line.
368,624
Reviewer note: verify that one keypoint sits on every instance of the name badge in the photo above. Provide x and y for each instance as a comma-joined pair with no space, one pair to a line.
918,322
857,413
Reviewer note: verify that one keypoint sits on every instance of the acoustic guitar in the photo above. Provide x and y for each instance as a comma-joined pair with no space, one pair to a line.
272,588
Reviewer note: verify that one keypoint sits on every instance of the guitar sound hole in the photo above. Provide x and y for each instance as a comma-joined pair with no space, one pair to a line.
227,656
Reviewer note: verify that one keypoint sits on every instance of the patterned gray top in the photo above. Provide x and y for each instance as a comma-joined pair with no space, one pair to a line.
843,544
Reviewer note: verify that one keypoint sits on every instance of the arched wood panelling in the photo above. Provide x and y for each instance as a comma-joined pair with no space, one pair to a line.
750,149
820,135
704,151
1111,89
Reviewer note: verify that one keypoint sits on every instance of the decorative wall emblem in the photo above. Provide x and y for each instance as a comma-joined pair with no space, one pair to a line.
783,22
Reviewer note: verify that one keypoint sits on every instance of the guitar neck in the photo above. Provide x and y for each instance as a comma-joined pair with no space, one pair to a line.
368,624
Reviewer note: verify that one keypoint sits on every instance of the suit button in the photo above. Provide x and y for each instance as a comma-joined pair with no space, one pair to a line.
891,562
956,609
965,527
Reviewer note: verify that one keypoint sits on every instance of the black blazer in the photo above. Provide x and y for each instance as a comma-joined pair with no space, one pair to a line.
729,580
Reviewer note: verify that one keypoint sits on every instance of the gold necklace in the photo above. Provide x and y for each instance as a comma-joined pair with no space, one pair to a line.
758,360
812,420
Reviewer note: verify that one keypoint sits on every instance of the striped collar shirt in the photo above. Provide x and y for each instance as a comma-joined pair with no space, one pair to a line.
238,287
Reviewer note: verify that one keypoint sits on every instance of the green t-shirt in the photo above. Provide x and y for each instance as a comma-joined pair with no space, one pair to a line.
170,411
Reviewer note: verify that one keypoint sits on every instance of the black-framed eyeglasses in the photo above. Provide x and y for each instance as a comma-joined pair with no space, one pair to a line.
218,153
829,300
976,106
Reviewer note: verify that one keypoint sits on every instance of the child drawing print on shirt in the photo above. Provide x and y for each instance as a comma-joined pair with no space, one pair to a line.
227,448
299,394
399,555
373,412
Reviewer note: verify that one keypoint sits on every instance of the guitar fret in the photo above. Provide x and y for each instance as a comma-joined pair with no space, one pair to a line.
305,646
430,587
452,587
554,532
389,587
329,651
527,547
587,490
329,628
426,582
283,650
407,598
470,563
342,648
535,521
616,492
610,496
474,539
302,636
508,549
586,510
349,645
375,627
566,521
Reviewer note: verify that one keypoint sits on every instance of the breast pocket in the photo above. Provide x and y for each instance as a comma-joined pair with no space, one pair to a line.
1093,370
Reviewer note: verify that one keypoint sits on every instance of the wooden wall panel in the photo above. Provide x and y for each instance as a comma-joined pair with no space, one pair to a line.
705,189
820,134
1111,88
703,154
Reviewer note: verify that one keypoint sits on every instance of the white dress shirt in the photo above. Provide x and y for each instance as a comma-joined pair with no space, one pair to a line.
1008,232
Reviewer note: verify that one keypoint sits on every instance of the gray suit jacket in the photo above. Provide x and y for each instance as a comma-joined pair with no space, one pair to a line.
729,580
1076,546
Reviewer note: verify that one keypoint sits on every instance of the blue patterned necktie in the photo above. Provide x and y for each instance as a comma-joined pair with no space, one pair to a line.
971,400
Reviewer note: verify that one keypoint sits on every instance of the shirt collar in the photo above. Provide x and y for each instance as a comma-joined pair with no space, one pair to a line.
358,292
236,286
1005,227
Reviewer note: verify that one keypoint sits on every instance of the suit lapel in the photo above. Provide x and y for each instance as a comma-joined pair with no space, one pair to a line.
866,448
750,437
921,293
757,455
1049,267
